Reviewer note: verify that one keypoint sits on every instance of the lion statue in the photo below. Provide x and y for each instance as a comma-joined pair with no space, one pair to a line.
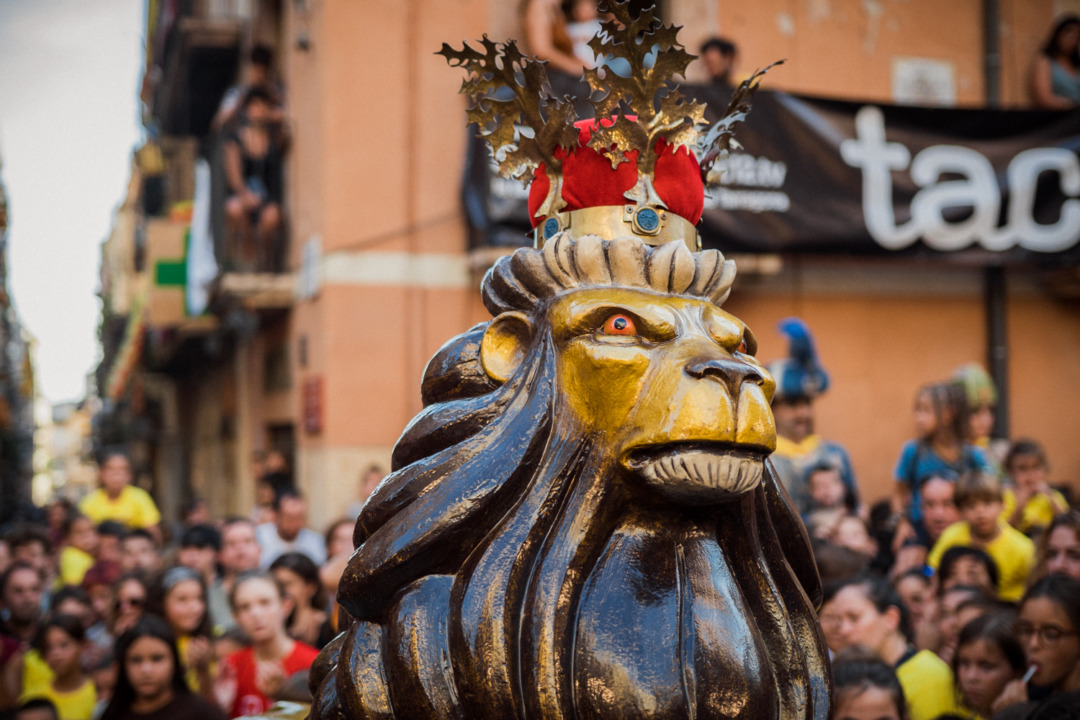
582,522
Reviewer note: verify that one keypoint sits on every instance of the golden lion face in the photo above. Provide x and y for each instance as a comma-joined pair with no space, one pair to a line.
669,382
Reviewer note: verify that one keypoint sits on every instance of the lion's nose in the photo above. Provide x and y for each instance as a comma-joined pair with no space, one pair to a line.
731,371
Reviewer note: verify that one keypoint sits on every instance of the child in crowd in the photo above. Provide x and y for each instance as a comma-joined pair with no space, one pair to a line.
979,497
31,544
60,641
139,551
299,575
852,533
179,596
965,565
231,641
103,673
988,657
940,447
75,602
982,398
950,618
1059,548
866,689
150,684
110,533
80,544
250,678
56,515
916,590
339,537
827,489
1033,504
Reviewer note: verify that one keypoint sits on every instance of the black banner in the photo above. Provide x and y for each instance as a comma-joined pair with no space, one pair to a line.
827,176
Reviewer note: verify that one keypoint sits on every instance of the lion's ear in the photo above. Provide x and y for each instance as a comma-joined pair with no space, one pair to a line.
504,345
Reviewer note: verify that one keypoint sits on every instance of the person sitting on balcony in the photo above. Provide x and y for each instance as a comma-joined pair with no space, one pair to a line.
257,74
546,31
254,156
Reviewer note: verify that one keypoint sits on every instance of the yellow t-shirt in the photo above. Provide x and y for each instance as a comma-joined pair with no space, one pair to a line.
133,507
928,686
191,674
1013,552
77,704
73,565
36,672
1038,513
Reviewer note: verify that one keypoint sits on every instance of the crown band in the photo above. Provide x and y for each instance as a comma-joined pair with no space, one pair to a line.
653,225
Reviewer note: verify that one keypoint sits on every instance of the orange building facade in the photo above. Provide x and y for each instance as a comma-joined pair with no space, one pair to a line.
382,275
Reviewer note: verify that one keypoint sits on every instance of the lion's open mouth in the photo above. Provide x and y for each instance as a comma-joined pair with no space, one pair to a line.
698,471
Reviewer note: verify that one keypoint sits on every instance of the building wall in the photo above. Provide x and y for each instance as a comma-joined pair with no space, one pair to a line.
374,176
846,48
382,198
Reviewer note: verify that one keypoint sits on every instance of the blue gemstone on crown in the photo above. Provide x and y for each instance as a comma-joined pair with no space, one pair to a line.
647,219
551,226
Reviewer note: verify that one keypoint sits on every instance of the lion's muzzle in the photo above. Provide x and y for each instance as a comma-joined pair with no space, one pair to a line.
697,473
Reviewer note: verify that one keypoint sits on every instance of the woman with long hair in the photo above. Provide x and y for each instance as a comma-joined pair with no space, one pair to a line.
1055,74
987,658
308,622
179,597
150,684
871,614
252,678
1048,628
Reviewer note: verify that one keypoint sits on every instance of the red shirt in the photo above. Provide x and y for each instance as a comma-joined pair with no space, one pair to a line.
249,701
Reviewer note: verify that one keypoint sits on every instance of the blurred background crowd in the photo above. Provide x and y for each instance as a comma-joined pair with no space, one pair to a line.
244,603
958,596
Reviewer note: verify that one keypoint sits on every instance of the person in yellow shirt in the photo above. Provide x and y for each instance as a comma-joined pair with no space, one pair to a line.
80,545
61,641
117,499
979,497
1033,505
870,613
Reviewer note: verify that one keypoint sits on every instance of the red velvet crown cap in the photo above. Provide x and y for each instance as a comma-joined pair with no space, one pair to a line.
589,181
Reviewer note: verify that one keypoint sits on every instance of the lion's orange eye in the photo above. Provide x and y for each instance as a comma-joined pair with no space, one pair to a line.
742,346
619,325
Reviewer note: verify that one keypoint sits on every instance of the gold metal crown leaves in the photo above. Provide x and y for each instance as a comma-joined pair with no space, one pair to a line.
515,110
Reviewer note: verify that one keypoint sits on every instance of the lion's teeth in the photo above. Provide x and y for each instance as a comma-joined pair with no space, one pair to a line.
705,469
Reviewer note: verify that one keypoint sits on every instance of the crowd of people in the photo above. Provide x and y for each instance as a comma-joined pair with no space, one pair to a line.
108,613
959,595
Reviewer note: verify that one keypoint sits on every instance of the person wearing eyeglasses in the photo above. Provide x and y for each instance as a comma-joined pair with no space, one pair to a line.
1048,628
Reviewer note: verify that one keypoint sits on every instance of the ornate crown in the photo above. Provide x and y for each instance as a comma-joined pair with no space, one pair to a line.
640,169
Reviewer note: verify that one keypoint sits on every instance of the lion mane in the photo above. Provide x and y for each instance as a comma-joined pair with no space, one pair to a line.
499,568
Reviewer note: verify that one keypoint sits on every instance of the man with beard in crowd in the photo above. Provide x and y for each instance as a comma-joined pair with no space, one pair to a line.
800,379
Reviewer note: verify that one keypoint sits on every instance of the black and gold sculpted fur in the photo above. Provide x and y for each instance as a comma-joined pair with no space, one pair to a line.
582,522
